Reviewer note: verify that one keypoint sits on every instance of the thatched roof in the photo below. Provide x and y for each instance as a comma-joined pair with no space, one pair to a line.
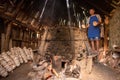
29,11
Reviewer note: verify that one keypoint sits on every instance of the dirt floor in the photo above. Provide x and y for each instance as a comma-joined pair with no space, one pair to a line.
99,72
19,73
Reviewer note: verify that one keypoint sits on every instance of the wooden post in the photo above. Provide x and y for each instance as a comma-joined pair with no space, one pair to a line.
102,54
22,44
10,44
106,33
30,38
2,42
42,45
7,36
21,34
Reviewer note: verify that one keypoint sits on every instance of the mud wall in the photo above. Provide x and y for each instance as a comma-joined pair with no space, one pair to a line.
115,29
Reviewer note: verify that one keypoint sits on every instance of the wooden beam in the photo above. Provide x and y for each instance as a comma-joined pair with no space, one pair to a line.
18,8
17,22
15,14
12,3
111,3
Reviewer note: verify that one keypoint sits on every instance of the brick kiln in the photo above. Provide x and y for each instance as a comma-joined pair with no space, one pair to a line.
58,41
59,54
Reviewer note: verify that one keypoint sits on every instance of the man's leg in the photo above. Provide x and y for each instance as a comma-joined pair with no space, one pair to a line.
93,45
97,44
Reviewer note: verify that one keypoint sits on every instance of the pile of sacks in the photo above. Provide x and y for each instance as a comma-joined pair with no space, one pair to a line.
11,59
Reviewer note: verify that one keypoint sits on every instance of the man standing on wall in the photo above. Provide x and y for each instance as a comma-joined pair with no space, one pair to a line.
93,25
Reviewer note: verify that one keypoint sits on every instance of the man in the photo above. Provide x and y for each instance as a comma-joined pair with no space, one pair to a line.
94,30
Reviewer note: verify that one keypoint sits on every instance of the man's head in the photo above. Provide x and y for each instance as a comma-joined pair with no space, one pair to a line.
92,11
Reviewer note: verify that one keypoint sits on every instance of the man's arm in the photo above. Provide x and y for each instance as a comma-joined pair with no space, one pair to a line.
99,19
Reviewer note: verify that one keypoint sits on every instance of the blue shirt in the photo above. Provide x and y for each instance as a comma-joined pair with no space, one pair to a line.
93,31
